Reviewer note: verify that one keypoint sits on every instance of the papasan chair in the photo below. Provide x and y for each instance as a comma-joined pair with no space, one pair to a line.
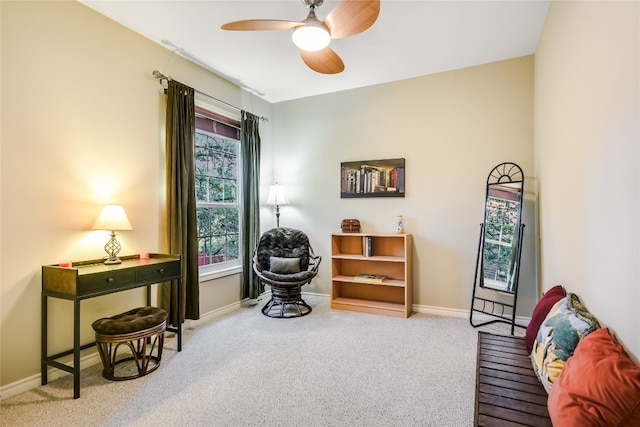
285,261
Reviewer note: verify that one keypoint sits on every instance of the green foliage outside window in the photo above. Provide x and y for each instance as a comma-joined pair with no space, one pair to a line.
217,202
500,226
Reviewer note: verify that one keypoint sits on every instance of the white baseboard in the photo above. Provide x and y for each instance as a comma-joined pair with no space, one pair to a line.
33,381
447,312
439,311
213,314
317,295
451,312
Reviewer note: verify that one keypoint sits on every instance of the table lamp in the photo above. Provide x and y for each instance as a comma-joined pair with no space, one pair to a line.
277,197
112,218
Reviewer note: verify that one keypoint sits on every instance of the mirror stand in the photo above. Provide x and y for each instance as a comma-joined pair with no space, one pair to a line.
495,285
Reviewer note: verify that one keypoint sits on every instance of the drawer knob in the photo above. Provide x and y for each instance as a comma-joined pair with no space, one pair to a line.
161,270
110,280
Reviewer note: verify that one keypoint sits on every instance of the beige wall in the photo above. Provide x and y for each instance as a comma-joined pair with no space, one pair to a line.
452,129
82,126
587,158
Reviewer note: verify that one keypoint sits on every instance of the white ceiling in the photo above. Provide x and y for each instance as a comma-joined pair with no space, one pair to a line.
409,39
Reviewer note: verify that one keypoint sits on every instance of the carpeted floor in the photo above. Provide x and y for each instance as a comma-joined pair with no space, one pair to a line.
330,368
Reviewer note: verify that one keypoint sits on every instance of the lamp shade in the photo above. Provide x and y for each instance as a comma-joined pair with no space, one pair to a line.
277,195
112,217
311,37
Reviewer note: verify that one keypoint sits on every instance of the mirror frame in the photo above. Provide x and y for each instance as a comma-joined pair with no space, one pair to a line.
509,175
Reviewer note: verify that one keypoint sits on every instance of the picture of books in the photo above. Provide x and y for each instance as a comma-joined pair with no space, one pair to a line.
369,278
372,178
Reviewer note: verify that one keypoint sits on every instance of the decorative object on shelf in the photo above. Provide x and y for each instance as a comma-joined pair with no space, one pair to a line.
112,218
367,246
372,178
350,225
277,197
369,278
399,224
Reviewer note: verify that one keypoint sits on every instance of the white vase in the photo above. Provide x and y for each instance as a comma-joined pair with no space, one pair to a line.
399,224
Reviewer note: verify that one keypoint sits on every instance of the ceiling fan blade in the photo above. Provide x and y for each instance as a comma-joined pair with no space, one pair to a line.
324,61
259,25
352,17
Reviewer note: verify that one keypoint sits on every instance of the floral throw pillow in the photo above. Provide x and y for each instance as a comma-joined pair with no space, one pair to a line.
566,324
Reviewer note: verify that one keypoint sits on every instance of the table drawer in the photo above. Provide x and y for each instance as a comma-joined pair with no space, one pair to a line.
100,282
158,272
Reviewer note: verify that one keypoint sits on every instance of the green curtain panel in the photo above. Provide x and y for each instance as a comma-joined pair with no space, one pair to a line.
181,224
250,141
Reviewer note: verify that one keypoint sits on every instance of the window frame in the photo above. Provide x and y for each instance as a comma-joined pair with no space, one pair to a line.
227,123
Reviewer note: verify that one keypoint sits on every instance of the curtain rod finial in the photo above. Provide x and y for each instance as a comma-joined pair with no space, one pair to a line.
159,75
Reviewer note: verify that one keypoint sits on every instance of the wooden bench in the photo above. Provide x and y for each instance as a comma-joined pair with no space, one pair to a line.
508,393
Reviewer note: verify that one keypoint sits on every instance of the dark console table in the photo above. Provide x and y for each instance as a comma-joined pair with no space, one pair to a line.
90,279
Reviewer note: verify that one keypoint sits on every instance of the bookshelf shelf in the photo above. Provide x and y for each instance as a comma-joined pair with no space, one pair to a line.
385,282
390,257
370,258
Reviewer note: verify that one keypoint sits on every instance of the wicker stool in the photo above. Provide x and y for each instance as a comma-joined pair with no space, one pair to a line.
142,330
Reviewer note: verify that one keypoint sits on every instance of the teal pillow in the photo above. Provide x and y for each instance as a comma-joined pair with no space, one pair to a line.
567,323
284,265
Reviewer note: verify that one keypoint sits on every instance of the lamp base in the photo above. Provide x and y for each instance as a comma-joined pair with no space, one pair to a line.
112,248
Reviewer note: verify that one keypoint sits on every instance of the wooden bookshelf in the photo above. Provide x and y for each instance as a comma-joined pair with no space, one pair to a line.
390,257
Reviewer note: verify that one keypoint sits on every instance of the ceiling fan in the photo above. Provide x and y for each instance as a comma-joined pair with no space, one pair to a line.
312,36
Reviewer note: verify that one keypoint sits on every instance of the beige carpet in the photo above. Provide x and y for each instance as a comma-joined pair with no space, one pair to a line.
330,368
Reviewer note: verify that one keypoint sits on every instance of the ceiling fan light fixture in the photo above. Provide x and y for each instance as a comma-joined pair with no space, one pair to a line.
312,36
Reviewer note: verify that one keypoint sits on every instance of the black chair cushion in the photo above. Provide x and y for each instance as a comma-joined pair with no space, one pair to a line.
283,242
134,320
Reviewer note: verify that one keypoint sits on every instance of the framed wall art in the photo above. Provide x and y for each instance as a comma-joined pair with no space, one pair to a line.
372,178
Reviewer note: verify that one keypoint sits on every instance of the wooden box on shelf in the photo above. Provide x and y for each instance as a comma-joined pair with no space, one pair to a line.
388,258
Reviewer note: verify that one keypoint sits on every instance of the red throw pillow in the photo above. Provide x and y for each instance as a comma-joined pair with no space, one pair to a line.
543,307
599,386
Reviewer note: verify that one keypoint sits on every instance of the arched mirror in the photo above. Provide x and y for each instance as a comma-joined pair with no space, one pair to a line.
501,237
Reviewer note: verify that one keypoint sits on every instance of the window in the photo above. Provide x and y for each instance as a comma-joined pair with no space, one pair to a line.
218,190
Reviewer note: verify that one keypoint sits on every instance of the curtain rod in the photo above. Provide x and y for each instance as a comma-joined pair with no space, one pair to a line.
158,75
